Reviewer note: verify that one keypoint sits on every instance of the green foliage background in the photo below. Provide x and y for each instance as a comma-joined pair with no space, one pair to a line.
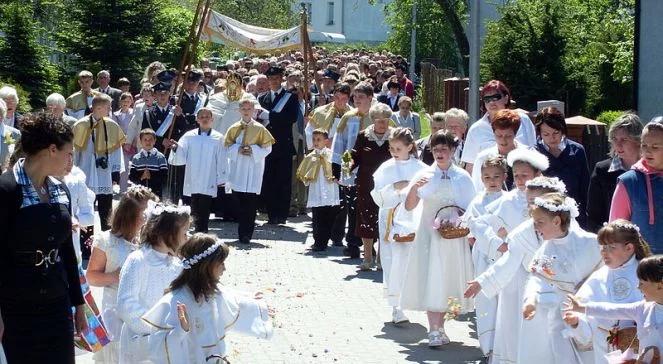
577,51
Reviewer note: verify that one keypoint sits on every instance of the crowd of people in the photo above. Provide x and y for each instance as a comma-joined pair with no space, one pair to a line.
501,217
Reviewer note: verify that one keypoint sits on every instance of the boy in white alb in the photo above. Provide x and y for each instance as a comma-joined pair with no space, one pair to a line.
201,150
248,143
315,171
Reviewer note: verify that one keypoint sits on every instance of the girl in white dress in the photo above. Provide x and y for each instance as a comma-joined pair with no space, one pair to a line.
111,248
389,192
566,259
191,321
622,248
146,274
506,277
647,313
438,268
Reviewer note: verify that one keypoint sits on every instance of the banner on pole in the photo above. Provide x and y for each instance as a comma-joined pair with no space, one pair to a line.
225,30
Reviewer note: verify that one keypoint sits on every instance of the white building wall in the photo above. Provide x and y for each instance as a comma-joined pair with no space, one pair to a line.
358,20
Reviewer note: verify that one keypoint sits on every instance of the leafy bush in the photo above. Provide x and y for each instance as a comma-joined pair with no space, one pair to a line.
609,116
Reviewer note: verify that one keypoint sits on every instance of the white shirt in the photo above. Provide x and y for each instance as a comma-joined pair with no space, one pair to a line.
480,136
323,192
245,172
619,285
210,322
82,204
99,180
204,156
145,275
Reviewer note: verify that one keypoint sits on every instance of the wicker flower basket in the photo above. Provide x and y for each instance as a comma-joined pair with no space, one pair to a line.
404,239
452,231
650,355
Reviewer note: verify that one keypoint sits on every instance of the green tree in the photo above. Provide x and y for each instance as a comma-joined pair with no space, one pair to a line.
113,35
124,36
434,35
525,49
23,59
577,51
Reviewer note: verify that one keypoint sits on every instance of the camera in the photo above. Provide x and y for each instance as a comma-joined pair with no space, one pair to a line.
101,162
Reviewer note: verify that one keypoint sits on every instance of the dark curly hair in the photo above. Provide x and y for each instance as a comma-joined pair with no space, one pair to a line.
39,131
200,278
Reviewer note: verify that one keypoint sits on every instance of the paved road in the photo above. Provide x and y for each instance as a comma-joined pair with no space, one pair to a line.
327,311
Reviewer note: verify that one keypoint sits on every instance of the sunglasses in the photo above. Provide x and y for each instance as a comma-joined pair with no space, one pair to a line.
488,98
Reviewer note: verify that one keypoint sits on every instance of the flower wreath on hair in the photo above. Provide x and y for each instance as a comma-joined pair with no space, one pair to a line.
138,188
623,225
157,208
190,262
552,183
569,205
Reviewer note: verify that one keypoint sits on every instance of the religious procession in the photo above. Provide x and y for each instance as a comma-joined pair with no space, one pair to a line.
547,237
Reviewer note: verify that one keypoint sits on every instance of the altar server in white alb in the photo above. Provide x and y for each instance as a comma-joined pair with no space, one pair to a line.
505,279
493,175
622,248
565,260
203,154
248,143
315,172
390,190
98,153
438,268
192,320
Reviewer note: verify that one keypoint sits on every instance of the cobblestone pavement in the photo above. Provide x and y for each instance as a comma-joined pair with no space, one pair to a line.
326,310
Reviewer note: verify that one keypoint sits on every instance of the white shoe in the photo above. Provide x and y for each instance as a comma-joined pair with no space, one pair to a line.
434,339
398,316
443,336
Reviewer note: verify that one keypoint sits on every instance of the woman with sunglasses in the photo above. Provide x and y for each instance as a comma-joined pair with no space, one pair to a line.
495,96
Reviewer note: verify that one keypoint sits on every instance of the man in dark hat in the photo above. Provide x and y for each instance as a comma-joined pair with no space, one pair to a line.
162,113
324,96
185,115
283,108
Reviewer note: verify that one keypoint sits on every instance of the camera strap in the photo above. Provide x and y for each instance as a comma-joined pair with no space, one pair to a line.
94,144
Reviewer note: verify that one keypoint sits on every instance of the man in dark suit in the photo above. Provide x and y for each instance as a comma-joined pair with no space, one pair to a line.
103,81
283,108
393,96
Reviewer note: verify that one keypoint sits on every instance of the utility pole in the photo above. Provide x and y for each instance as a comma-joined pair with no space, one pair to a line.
413,40
475,50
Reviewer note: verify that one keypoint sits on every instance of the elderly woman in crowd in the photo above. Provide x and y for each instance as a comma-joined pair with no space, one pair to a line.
55,104
495,96
568,160
455,121
12,118
624,136
370,150
405,118
9,136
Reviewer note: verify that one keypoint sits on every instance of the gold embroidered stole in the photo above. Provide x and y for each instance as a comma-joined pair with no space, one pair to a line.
311,165
107,140
253,134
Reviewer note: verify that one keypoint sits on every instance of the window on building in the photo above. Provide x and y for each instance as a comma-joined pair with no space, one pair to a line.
330,13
